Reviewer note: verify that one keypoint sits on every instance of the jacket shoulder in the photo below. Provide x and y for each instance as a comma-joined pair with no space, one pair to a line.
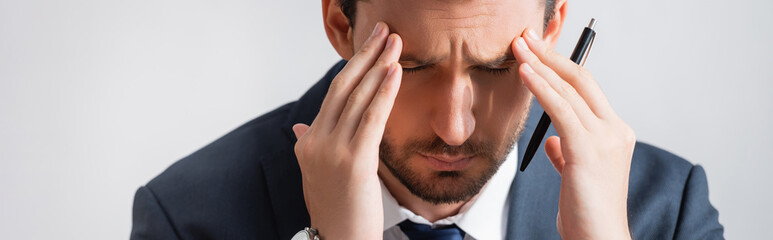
220,190
656,191
238,151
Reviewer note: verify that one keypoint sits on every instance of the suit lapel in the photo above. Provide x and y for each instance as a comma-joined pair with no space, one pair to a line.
534,192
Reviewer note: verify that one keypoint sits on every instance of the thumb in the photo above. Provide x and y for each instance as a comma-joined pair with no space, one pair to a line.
553,150
299,129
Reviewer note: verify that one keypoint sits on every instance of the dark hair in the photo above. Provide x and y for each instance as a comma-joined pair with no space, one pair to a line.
349,8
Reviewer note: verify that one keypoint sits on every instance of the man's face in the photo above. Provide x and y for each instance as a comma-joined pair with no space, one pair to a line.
461,105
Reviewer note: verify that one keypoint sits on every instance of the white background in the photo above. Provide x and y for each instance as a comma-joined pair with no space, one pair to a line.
99,96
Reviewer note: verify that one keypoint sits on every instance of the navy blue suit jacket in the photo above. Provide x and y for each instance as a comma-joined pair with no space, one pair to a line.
247,185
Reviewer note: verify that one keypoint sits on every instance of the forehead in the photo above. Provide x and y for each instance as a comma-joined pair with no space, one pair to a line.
429,28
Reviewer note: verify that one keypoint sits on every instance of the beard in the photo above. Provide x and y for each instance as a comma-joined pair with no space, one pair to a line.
445,187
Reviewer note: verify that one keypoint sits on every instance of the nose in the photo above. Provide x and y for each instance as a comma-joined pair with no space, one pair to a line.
452,117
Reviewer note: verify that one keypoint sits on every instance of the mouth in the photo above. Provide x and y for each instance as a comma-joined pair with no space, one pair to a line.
447,163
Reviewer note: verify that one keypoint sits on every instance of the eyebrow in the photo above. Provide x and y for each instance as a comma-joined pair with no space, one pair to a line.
494,63
409,58
505,58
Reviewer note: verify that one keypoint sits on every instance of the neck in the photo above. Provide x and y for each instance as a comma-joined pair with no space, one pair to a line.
431,212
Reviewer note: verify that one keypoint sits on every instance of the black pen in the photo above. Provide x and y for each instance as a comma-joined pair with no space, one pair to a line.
579,55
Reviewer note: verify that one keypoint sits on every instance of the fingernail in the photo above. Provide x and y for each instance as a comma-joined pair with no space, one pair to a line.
390,42
533,35
521,44
527,68
377,29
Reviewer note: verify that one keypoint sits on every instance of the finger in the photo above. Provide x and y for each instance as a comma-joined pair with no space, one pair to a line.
553,151
300,129
524,54
373,121
348,78
559,110
362,96
572,73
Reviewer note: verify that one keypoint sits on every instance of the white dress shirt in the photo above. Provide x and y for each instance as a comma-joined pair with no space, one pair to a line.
484,217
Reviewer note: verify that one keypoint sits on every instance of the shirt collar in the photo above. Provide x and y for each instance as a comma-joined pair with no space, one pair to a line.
483,217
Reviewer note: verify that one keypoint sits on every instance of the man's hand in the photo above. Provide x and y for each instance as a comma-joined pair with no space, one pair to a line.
594,150
338,153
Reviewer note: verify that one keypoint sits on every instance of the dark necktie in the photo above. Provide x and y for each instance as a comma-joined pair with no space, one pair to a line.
416,231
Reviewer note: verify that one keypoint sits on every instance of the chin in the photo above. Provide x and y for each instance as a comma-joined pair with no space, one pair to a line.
443,186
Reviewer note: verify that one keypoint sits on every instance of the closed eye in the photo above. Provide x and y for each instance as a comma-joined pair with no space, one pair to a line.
415,69
494,71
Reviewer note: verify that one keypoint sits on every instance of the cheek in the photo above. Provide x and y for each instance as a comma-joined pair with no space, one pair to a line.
410,113
499,103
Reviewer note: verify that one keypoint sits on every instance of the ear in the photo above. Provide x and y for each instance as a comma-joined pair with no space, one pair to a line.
337,28
553,29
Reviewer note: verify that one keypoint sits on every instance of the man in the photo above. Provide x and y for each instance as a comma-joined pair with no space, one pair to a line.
414,137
